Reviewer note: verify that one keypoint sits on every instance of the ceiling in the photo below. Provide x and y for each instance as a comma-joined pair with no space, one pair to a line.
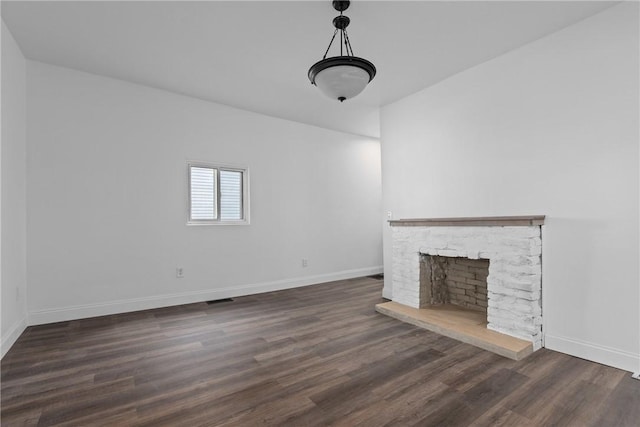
255,55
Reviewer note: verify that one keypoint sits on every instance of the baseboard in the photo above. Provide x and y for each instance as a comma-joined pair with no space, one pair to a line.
12,336
40,317
606,355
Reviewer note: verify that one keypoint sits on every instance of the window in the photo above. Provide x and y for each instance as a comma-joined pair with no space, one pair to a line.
218,194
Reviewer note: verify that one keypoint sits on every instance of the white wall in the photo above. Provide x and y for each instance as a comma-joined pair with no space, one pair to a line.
13,231
550,128
107,201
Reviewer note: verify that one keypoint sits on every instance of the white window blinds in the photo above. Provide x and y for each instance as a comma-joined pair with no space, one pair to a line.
203,194
230,195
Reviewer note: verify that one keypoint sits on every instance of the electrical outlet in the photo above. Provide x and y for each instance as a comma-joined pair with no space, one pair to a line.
389,215
305,262
179,273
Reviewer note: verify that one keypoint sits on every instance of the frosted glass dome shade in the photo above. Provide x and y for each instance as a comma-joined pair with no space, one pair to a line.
342,77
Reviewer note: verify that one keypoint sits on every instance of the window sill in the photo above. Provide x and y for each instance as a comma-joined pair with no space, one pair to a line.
216,223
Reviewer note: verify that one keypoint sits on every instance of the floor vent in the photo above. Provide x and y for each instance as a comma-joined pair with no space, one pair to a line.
216,301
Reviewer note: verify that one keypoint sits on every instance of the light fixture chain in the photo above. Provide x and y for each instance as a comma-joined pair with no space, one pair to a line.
330,43
347,43
341,33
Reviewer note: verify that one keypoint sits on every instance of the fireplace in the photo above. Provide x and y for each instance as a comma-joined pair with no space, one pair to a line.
490,264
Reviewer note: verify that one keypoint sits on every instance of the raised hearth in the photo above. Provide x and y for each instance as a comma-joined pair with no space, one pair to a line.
464,325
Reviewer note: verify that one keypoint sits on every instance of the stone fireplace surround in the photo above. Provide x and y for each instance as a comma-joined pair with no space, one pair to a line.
513,247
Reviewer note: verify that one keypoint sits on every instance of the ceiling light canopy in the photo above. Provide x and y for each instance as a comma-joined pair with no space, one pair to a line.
345,76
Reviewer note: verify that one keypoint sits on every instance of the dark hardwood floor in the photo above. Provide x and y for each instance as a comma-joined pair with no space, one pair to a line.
311,356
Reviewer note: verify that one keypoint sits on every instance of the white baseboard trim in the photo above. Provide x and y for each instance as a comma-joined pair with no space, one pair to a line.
597,353
12,336
40,317
636,375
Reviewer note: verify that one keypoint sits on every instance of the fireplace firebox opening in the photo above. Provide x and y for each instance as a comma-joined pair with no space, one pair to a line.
453,280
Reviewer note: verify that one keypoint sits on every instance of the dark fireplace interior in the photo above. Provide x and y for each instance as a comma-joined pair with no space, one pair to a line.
457,281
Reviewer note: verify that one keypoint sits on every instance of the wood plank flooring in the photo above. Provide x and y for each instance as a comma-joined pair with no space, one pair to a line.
312,356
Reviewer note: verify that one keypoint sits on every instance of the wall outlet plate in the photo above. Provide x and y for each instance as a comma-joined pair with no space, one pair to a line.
179,272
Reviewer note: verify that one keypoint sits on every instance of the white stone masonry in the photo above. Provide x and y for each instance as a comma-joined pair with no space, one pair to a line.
515,270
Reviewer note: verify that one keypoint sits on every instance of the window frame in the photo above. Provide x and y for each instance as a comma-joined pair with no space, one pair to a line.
244,200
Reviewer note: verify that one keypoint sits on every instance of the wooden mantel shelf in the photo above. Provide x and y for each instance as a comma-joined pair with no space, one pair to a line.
490,221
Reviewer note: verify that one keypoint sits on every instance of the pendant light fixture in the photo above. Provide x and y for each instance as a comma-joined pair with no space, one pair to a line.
345,76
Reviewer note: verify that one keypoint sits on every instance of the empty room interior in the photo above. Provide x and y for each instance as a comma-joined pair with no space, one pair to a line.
314,213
